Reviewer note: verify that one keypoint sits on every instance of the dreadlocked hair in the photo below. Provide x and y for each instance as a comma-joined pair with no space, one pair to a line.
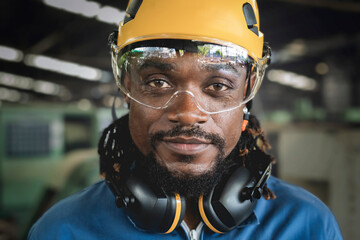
253,154
117,151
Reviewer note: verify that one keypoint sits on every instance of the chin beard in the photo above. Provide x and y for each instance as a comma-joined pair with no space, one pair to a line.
186,184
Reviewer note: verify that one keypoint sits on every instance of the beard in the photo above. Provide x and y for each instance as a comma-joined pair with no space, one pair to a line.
188,185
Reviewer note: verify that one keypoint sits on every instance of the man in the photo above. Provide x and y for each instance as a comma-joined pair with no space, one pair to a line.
188,161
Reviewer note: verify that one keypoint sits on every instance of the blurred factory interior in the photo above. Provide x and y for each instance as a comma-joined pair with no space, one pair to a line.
56,91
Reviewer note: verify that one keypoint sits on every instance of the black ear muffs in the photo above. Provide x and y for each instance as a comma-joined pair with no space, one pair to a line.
228,204
224,208
149,208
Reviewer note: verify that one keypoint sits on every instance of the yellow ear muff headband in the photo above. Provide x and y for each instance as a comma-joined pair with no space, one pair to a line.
203,215
177,214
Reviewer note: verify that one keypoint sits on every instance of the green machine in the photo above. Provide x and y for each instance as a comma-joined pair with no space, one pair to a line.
46,153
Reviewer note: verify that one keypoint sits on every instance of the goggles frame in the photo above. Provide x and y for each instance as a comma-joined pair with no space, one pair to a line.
258,66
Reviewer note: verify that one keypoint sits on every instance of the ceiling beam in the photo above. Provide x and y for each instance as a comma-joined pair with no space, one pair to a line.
347,6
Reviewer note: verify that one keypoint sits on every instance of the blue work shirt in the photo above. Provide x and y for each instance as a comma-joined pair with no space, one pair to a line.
92,215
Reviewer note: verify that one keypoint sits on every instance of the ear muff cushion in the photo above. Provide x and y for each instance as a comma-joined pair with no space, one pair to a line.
222,210
152,209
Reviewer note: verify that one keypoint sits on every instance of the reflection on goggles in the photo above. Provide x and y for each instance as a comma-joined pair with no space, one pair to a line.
217,53
217,96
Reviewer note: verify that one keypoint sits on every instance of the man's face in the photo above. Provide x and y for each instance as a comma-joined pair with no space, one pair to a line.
193,147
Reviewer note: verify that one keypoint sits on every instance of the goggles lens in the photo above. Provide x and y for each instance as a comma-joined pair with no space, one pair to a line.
150,74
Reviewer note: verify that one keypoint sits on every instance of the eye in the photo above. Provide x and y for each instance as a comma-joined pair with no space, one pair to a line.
158,83
218,87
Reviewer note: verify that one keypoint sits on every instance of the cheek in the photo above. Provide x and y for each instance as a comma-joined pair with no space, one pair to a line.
142,122
231,126
139,123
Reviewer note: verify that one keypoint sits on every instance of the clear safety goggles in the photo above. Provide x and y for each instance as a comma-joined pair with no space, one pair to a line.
146,72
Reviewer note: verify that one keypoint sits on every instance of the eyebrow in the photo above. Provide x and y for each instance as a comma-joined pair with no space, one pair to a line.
156,64
217,67
164,66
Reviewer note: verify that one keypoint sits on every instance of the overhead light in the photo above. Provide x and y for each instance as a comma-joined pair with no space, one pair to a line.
16,81
10,95
10,54
292,79
49,88
27,83
110,15
64,67
52,64
296,48
290,52
322,68
82,7
89,9
84,104
46,87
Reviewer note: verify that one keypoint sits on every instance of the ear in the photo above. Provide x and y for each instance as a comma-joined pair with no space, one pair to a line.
251,81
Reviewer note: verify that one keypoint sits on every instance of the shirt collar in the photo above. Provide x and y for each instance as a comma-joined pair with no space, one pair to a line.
251,220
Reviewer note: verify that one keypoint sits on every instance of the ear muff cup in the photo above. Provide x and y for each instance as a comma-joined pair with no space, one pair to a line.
223,209
151,208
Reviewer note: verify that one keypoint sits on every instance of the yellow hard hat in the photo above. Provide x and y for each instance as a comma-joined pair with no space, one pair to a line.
214,21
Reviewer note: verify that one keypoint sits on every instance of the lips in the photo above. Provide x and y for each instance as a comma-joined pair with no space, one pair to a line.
185,145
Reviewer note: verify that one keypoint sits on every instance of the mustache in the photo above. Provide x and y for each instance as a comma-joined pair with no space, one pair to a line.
196,131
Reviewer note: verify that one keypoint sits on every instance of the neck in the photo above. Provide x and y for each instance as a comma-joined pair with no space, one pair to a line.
192,216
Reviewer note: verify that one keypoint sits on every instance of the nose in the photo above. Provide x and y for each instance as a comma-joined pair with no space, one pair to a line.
183,110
